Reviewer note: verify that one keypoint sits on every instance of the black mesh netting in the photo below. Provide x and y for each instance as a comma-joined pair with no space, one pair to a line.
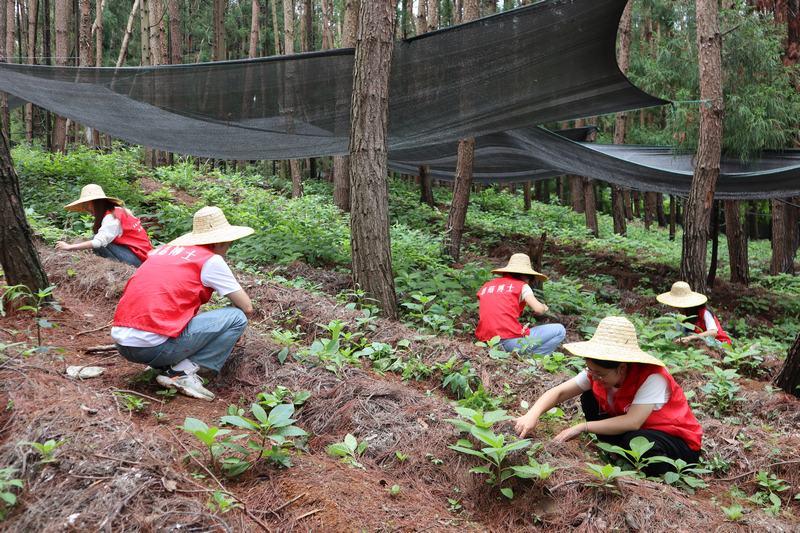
492,78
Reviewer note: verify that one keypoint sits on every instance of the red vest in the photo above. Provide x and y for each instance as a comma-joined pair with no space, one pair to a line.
133,234
165,292
700,326
500,309
674,418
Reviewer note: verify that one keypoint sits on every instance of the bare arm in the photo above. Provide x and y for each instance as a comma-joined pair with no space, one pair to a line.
560,393
85,245
536,306
241,300
630,421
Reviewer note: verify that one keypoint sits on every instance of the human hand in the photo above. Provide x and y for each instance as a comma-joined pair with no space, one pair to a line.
684,340
569,433
61,245
524,425
546,308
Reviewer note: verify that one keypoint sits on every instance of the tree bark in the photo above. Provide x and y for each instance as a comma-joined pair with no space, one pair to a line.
542,190
18,255
576,193
590,207
85,58
526,194
327,25
62,16
33,14
789,377
456,218
650,209
660,215
425,186
175,37
4,117
220,52
457,215
254,29
341,164
307,27
276,32
672,217
623,59
369,220
123,50
704,181
288,47
433,15
421,20
737,243
782,257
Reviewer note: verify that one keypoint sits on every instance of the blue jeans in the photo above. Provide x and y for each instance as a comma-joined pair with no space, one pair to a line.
120,253
207,341
542,340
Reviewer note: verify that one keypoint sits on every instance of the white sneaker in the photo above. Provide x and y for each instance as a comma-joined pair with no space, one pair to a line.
188,384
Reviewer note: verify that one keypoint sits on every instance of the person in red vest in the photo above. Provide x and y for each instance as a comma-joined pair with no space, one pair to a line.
706,326
625,393
118,234
156,321
501,302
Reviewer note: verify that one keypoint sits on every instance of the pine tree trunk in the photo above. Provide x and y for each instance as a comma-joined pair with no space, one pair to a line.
660,215
457,215
341,168
712,269
456,218
576,193
62,16
97,28
433,15
789,377
219,29
276,31
369,220
701,194
327,25
123,50
254,29
590,207
737,243
18,255
650,210
4,117
85,57
562,189
175,37
782,257
526,194
425,186
751,220
542,189
288,46
307,27
672,217
618,194
33,11
421,20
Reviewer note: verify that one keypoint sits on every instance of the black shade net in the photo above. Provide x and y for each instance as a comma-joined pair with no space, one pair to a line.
492,79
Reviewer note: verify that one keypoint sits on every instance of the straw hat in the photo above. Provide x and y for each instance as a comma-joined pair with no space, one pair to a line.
209,226
682,295
520,264
88,193
614,340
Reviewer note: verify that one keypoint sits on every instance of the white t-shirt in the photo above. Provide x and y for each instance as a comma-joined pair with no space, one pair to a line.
654,390
110,229
526,290
215,274
708,319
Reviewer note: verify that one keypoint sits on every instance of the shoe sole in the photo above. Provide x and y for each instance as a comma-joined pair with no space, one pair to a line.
186,391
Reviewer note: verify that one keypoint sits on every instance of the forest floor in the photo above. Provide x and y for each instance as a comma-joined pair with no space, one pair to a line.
124,467
124,462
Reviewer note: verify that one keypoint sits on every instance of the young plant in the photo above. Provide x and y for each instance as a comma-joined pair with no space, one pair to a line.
745,359
131,402
496,350
38,300
607,475
734,513
46,450
8,483
459,380
221,502
210,436
685,474
769,497
287,339
534,470
349,450
271,434
281,395
495,450
721,391
635,456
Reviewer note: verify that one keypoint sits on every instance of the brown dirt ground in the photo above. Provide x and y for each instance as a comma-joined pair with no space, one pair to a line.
123,471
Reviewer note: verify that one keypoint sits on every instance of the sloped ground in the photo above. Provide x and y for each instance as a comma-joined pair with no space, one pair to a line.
128,471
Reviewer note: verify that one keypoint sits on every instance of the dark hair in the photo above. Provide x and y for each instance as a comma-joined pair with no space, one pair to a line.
693,311
522,277
611,365
99,209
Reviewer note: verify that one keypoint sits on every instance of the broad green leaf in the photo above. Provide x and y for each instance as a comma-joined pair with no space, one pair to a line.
193,425
481,470
338,449
459,424
670,478
281,415
259,413
508,493
239,421
487,436
8,497
351,442
291,431
495,416
516,445
469,451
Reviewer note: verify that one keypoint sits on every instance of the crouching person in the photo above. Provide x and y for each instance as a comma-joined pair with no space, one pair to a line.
156,321
625,393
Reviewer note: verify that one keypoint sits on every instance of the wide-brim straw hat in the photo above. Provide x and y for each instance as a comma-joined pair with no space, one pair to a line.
520,264
681,295
88,193
209,226
614,340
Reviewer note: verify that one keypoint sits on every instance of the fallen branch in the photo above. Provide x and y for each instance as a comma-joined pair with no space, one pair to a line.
275,511
93,330
101,348
751,472
304,515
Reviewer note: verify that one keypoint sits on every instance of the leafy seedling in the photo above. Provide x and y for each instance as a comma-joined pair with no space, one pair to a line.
47,449
349,450
607,475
